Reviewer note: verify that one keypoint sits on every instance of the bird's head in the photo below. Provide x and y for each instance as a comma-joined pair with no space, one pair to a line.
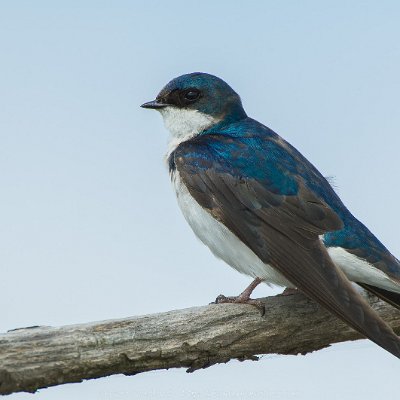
195,102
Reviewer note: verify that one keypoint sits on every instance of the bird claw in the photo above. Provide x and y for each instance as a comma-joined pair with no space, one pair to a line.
221,299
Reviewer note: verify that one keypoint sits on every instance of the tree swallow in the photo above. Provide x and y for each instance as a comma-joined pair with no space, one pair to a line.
265,210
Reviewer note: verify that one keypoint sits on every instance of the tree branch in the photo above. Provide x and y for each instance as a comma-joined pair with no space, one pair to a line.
38,357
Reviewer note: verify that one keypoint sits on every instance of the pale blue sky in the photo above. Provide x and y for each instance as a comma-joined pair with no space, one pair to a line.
90,228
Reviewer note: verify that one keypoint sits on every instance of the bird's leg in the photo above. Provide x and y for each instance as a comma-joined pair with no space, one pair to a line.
244,297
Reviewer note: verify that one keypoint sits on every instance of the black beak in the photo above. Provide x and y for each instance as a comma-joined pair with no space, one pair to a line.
155,104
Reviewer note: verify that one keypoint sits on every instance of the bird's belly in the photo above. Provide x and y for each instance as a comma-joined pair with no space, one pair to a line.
359,270
221,241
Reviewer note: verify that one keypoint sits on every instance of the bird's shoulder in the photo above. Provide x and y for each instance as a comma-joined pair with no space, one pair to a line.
246,149
248,165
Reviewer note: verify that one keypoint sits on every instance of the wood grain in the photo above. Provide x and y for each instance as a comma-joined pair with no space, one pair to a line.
194,338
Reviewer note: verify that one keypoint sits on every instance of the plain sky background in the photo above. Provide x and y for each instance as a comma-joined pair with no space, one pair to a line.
90,228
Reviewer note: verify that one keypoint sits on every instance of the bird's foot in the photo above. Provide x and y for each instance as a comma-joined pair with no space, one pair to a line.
244,297
221,299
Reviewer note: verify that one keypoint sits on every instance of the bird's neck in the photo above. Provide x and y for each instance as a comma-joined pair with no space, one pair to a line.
184,124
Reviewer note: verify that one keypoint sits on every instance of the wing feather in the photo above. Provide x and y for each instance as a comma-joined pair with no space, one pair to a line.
283,231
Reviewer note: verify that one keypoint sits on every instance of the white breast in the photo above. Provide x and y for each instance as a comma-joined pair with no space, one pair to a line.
184,124
221,241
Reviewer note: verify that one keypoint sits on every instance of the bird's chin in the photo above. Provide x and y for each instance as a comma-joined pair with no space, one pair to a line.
184,123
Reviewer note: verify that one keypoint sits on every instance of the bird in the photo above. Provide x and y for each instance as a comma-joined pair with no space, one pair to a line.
259,205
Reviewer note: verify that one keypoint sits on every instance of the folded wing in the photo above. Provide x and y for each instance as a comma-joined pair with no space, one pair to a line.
281,226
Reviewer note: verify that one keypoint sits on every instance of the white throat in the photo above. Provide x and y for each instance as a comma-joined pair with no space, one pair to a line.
183,124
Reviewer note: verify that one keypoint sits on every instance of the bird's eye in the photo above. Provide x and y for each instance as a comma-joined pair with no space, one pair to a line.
192,95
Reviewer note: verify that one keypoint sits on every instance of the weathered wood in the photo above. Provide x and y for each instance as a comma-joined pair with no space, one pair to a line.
38,357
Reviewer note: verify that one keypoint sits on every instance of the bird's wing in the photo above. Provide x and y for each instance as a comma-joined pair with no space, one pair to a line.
262,200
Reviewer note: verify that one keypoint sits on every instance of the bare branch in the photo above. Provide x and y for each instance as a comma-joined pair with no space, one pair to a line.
38,357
